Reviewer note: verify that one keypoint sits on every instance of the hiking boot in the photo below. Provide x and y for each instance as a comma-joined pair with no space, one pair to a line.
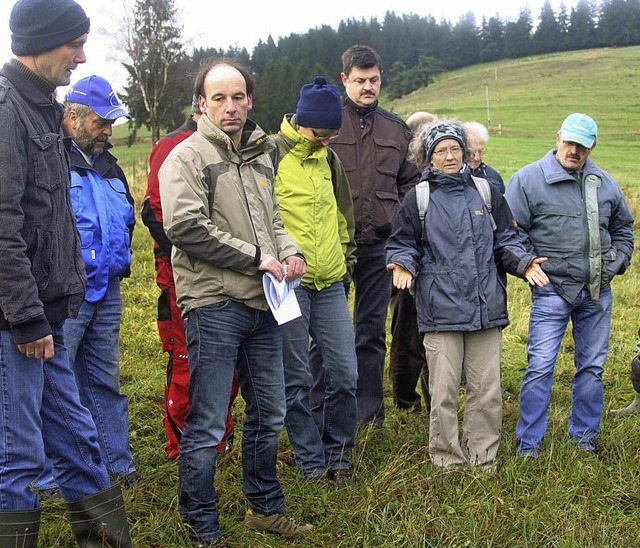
340,476
280,524
632,409
130,480
217,542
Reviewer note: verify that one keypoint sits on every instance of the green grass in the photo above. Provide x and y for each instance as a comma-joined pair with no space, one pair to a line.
563,499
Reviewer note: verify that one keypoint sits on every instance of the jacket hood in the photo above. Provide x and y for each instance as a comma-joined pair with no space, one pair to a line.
300,146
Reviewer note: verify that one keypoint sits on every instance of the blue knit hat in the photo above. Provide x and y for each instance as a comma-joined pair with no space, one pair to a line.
319,105
440,132
43,25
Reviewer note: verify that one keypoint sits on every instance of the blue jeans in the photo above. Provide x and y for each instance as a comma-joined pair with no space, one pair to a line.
218,336
40,412
372,283
325,315
548,322
93,341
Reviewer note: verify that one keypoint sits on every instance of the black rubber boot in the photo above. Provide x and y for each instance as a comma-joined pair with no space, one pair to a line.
19,529
99,521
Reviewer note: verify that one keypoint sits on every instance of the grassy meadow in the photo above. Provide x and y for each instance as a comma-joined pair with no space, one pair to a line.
397,499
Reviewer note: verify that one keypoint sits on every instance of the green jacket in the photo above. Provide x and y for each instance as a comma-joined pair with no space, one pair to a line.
220,212
316,206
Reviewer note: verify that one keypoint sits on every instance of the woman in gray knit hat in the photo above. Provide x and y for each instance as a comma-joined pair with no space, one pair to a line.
452,242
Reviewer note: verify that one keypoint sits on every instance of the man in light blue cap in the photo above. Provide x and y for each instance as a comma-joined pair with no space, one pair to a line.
574,213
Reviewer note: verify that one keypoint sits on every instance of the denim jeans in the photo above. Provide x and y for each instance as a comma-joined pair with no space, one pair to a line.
325,315
550,314
93,342
218,336
40,412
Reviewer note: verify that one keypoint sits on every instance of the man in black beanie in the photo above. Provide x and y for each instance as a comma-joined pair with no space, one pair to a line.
42,283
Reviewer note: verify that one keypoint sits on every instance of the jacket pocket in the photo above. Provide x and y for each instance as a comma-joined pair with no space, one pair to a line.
388,157
387,206
39,250
49,165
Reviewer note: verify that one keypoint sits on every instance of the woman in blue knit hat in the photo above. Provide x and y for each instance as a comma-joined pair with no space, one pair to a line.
316,208
452,242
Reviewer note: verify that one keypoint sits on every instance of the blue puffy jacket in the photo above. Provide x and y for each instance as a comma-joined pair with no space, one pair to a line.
457,259
104,213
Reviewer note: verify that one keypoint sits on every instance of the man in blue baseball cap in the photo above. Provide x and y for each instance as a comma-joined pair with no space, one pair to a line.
104,211
574,213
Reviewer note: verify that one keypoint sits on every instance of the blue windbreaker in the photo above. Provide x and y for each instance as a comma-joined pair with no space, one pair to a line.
457,259
104,213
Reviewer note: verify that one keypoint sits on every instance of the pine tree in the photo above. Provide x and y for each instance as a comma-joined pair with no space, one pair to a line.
158,88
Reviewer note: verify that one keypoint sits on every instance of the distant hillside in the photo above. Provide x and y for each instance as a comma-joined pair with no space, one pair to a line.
531,96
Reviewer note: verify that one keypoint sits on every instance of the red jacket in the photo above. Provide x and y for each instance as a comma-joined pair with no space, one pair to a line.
151,206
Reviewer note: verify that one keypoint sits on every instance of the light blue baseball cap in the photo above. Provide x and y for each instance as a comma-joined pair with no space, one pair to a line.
579,128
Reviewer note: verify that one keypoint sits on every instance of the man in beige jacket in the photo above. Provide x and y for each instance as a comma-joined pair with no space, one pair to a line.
221,214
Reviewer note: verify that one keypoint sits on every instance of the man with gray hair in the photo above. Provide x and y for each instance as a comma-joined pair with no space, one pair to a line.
42,283
103,206
477,137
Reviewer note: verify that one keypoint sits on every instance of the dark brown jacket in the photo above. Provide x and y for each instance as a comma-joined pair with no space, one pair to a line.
373,145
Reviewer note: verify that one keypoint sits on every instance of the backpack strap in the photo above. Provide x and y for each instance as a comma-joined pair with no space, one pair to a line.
423,195
484,188
275,154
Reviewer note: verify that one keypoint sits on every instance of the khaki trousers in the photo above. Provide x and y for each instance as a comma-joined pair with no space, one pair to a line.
479,351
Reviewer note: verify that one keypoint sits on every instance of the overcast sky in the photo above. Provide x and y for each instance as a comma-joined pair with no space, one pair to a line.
219,25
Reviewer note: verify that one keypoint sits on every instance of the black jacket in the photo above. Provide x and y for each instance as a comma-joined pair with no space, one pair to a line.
42,278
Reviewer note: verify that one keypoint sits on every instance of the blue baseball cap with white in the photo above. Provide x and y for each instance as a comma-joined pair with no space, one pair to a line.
579,128
96,93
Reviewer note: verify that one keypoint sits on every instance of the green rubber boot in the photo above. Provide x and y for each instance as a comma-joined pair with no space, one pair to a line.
632,409
19,528
99,521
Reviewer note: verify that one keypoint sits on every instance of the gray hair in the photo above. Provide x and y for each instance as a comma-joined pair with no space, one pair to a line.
475,131
419,119
80,109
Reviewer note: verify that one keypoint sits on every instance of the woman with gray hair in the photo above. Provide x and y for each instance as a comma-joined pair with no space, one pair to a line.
454,251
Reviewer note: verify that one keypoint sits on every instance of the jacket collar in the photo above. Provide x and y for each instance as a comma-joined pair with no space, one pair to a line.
555,173
298,144
362,111
102,163
254,140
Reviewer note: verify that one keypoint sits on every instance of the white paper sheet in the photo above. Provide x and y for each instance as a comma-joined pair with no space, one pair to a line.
281,298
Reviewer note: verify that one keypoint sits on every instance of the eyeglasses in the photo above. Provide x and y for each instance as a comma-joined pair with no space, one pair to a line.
324,134
442,152
474,151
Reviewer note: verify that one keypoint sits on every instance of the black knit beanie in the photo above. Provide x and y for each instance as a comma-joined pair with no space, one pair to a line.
43,25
